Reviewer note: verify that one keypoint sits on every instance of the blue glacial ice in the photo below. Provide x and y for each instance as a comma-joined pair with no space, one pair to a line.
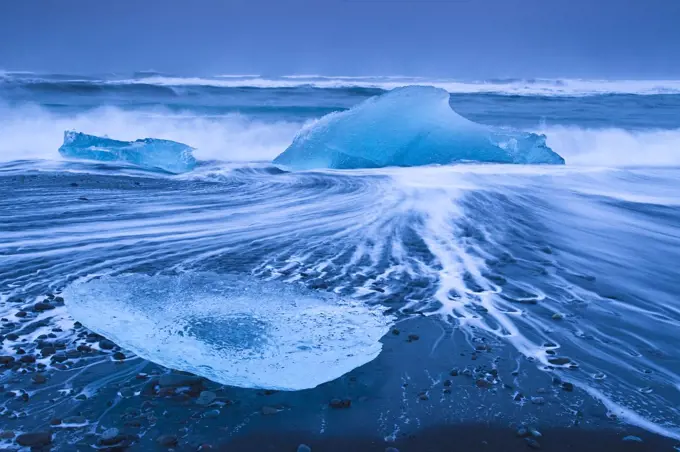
235,330
149,153
409,126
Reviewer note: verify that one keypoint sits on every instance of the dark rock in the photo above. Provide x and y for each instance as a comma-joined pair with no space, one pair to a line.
106,344
42,307
340,403
47,351
7,434
59,358
454,372
35,439
55,421
167,440
413,337
482,383
6,360
27,359
39,379
119,356
559,361
77,325
84,348
59,299
396,332
567,386
12,337
21,314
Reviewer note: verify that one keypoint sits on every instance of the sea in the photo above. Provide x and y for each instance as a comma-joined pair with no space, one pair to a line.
510,296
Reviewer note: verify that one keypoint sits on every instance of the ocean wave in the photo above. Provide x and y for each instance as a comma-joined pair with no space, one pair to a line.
33,132
511,86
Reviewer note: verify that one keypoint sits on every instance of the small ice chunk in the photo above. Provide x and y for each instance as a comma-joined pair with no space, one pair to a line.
235,330
409,126
150,153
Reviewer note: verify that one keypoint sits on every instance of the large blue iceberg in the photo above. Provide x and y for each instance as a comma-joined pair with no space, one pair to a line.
150,153
409,126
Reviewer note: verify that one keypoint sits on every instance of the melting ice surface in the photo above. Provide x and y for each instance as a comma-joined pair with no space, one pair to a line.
235,330
148,153
409,126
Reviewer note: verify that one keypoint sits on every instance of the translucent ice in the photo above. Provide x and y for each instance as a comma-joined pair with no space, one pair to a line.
409,126
234,330
149,153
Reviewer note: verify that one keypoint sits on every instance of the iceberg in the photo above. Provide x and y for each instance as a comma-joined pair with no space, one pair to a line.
233,329
409,126
150,153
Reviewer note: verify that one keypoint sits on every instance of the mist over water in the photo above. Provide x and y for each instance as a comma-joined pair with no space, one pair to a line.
573,266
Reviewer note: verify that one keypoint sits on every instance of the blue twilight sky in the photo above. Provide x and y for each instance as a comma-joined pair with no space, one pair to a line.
454,38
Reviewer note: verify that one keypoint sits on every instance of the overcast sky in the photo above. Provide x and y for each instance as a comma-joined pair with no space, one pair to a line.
454,38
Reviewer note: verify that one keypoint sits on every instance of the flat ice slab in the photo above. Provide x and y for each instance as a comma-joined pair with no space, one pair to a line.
235,330
409,126
150,153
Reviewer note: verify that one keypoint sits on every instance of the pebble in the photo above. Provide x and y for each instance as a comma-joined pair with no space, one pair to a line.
109,435
557,316
340,403
6,360
127,392
206,398
522,432
211,414
559,361
167,440
634,439
41,307
34,439
532,443
413,337
106,344
304,448
39,379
